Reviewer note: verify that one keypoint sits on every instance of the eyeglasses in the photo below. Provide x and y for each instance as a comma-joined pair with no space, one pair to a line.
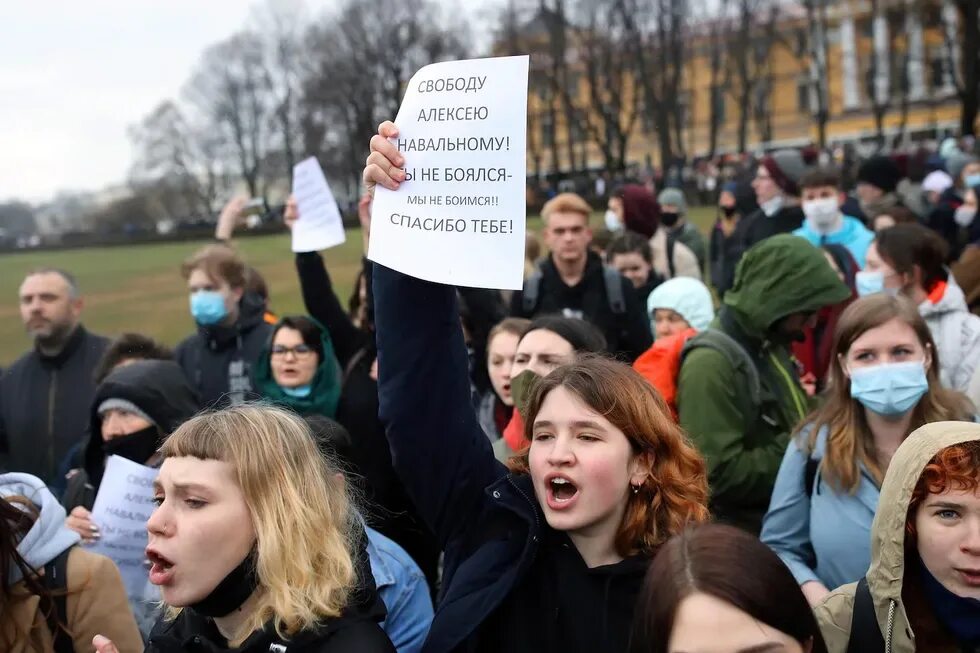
298,351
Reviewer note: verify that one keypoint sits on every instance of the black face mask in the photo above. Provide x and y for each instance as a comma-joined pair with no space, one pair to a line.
669,219
138,447
727,211
233,590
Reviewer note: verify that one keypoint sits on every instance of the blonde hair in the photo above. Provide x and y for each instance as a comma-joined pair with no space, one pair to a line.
305,524
220,262
566,203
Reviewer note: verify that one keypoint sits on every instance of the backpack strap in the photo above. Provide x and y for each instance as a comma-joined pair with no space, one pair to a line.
532,290
737,357
671,241
55,606
865,633
614,290
810,475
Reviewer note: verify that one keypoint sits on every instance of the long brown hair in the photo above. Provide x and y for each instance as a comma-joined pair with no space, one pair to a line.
17,516
727,564
675,494
849,440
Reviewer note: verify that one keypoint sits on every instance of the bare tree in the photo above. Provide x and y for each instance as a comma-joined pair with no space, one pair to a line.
231,89
818,67
961,20
749,52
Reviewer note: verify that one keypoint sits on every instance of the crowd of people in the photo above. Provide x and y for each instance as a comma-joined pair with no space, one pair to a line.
763,438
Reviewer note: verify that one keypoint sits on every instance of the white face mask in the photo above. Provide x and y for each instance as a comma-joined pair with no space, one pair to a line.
965,215
612,221
822,214
771,207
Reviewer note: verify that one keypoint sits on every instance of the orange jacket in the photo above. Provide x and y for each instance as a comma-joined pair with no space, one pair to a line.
661,364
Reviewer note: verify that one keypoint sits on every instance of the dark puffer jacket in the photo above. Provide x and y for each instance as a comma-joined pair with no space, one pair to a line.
219,360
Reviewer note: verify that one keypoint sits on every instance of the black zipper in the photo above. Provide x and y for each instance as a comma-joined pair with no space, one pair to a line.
534,505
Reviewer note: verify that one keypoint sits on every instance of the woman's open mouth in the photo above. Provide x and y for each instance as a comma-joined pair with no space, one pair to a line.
562,493
161,569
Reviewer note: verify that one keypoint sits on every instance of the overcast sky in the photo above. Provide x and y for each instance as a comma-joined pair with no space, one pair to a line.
75,75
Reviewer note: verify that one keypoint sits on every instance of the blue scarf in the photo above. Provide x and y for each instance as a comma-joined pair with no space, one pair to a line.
958,615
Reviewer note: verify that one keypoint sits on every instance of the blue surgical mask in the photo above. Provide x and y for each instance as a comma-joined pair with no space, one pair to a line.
868,283
971,181
299,392
890,389
612,221
208,307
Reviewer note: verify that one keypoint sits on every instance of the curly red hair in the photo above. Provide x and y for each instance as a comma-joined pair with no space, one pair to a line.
675,494
953,468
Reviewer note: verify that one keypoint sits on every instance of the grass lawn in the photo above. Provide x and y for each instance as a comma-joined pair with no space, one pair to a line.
140,289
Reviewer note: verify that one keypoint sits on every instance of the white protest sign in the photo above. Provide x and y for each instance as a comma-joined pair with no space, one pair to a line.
121,510
320,225
459,216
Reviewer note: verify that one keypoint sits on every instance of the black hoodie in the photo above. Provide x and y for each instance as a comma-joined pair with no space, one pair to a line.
218,360
159,389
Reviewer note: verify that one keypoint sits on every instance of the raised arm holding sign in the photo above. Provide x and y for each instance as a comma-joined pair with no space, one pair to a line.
458,214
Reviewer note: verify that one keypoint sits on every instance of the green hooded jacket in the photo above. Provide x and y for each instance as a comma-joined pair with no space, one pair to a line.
744,445
326,382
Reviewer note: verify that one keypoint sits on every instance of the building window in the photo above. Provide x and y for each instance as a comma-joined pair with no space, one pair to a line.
718,104
683,108
803,95
547,131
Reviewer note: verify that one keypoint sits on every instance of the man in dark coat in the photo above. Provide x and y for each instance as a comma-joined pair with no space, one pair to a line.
45,394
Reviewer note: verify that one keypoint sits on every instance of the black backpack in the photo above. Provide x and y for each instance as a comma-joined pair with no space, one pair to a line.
610,275
55,605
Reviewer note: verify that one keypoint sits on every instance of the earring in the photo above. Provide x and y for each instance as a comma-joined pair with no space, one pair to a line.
635,488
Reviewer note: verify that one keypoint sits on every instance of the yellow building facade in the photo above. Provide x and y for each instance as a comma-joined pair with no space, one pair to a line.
899,55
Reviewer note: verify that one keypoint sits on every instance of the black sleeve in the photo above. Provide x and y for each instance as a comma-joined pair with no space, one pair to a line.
635,326
323,306
517,304
483,310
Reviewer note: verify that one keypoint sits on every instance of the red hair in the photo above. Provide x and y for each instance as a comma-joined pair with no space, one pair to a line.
954,468
675,494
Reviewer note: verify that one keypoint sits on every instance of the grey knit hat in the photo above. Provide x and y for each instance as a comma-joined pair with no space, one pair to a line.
674,197
786,167
123,405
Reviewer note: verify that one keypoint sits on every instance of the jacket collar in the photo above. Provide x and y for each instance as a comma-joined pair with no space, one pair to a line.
72,345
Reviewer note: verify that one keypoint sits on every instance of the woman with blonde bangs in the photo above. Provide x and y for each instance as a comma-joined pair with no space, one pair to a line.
884,385
255,544
548,557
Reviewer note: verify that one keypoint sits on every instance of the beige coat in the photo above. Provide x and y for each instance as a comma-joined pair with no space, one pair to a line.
887,569
685,262
96,605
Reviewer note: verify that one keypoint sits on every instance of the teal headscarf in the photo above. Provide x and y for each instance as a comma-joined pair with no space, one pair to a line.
325,394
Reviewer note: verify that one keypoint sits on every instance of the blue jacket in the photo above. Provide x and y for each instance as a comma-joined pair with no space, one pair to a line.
819,533
403,589
853,235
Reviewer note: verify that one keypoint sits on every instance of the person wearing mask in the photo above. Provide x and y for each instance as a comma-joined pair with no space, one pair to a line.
634,208
679,309
44,395
573,281
741,368
630,254
825,224
353,340
496,407
546,343
549,557
777,191
948,218
716,589
877,181
54,596
401,584
255,544
910,260
920,592
735,203
299,369
133,411
673,216
884,385
231,330
813,352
